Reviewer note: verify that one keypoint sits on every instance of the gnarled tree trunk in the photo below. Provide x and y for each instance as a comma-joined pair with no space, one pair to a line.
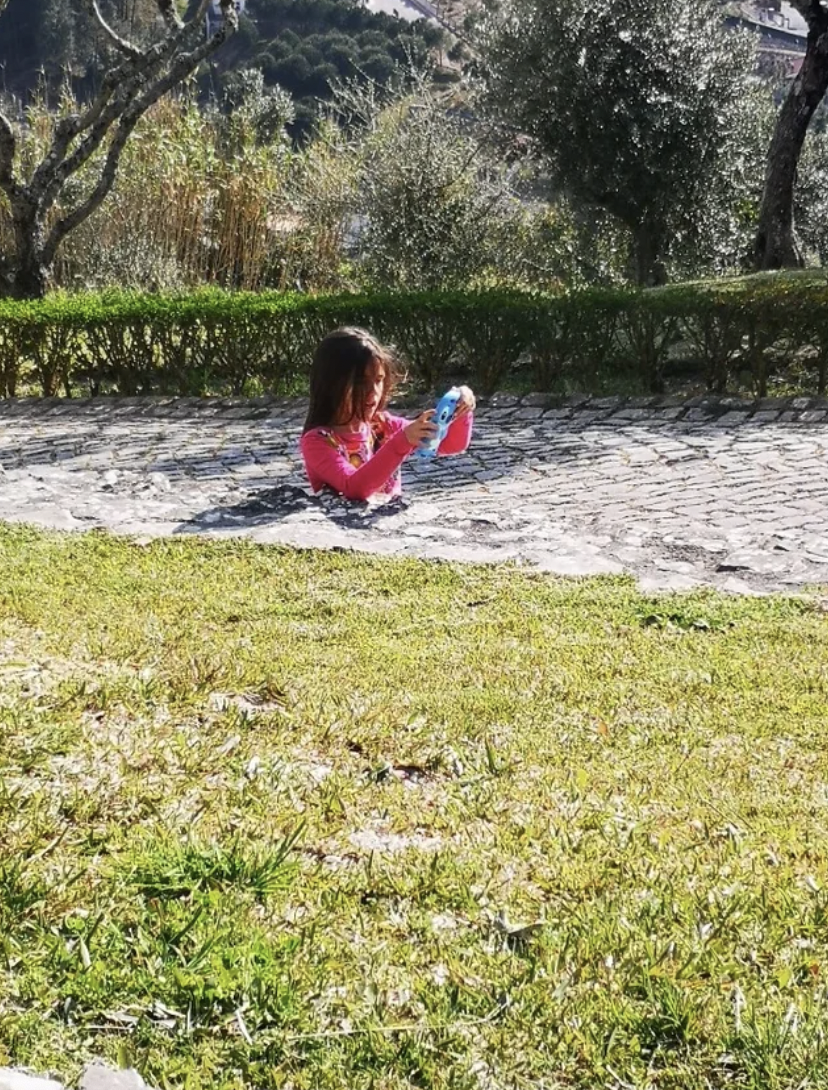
26,274
775,245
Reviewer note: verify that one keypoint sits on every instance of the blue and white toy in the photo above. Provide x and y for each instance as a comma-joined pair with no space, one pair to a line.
443,416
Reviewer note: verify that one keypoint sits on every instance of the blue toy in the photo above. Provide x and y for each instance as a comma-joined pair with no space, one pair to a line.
443,416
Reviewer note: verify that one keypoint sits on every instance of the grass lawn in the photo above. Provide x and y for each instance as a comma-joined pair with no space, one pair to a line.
280,819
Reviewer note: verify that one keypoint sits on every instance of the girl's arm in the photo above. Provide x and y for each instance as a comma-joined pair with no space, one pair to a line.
458,435
326,462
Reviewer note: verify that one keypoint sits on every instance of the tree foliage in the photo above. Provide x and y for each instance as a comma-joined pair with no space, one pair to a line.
433,205
428,195
308,46
636,106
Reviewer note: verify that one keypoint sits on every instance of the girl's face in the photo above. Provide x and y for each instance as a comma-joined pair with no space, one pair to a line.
374,389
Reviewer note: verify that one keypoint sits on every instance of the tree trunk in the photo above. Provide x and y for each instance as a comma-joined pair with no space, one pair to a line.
775,246
31,281
30,277
647,268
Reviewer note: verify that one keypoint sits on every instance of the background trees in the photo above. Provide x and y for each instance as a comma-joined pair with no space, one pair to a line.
637,107
45,201
627,140
304,46
54,38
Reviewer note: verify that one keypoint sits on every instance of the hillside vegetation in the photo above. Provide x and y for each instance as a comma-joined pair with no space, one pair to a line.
302,45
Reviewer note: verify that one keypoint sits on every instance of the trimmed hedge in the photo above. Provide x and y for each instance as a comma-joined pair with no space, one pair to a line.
754,332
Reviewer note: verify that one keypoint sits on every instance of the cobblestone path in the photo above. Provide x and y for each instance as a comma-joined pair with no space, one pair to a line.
723,493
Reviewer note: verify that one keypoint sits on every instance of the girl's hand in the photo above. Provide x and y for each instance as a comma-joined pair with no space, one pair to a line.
421,429
467,402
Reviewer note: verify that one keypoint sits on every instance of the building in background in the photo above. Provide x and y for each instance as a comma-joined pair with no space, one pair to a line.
782,33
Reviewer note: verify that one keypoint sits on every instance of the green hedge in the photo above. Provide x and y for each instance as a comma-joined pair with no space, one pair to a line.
754,334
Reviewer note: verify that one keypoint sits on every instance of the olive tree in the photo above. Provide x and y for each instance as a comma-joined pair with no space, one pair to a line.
634,105
428,194
44,202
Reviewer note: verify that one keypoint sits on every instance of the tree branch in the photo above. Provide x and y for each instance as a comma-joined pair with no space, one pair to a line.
140,62
107,179
54,169
169,14
231,16
120,43
137,63
126,80
201,11
133,112
8,144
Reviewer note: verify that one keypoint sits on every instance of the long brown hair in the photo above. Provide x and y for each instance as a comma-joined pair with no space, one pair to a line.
337,378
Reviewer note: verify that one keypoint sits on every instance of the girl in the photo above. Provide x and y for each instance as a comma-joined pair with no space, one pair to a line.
350,442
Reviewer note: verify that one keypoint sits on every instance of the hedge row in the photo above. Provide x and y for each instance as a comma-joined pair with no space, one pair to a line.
752,332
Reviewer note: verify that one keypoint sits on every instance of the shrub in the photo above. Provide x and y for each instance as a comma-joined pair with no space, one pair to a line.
430,198
763,332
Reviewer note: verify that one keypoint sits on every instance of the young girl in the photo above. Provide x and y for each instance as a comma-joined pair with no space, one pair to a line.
350,443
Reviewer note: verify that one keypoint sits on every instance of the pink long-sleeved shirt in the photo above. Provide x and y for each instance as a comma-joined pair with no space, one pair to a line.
366,462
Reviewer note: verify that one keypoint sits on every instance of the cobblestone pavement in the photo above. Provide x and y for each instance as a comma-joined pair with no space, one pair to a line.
725,493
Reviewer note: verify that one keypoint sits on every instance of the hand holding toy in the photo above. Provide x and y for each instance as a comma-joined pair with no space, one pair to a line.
443,416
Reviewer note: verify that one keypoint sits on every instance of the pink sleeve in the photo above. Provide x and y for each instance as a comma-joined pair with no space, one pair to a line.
458,435
326,463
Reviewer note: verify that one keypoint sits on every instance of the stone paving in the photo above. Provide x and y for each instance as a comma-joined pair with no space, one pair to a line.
724,493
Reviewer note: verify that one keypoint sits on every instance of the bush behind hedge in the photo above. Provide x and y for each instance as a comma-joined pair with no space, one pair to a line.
755,332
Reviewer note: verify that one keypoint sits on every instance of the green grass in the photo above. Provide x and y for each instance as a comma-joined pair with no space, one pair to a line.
284,819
